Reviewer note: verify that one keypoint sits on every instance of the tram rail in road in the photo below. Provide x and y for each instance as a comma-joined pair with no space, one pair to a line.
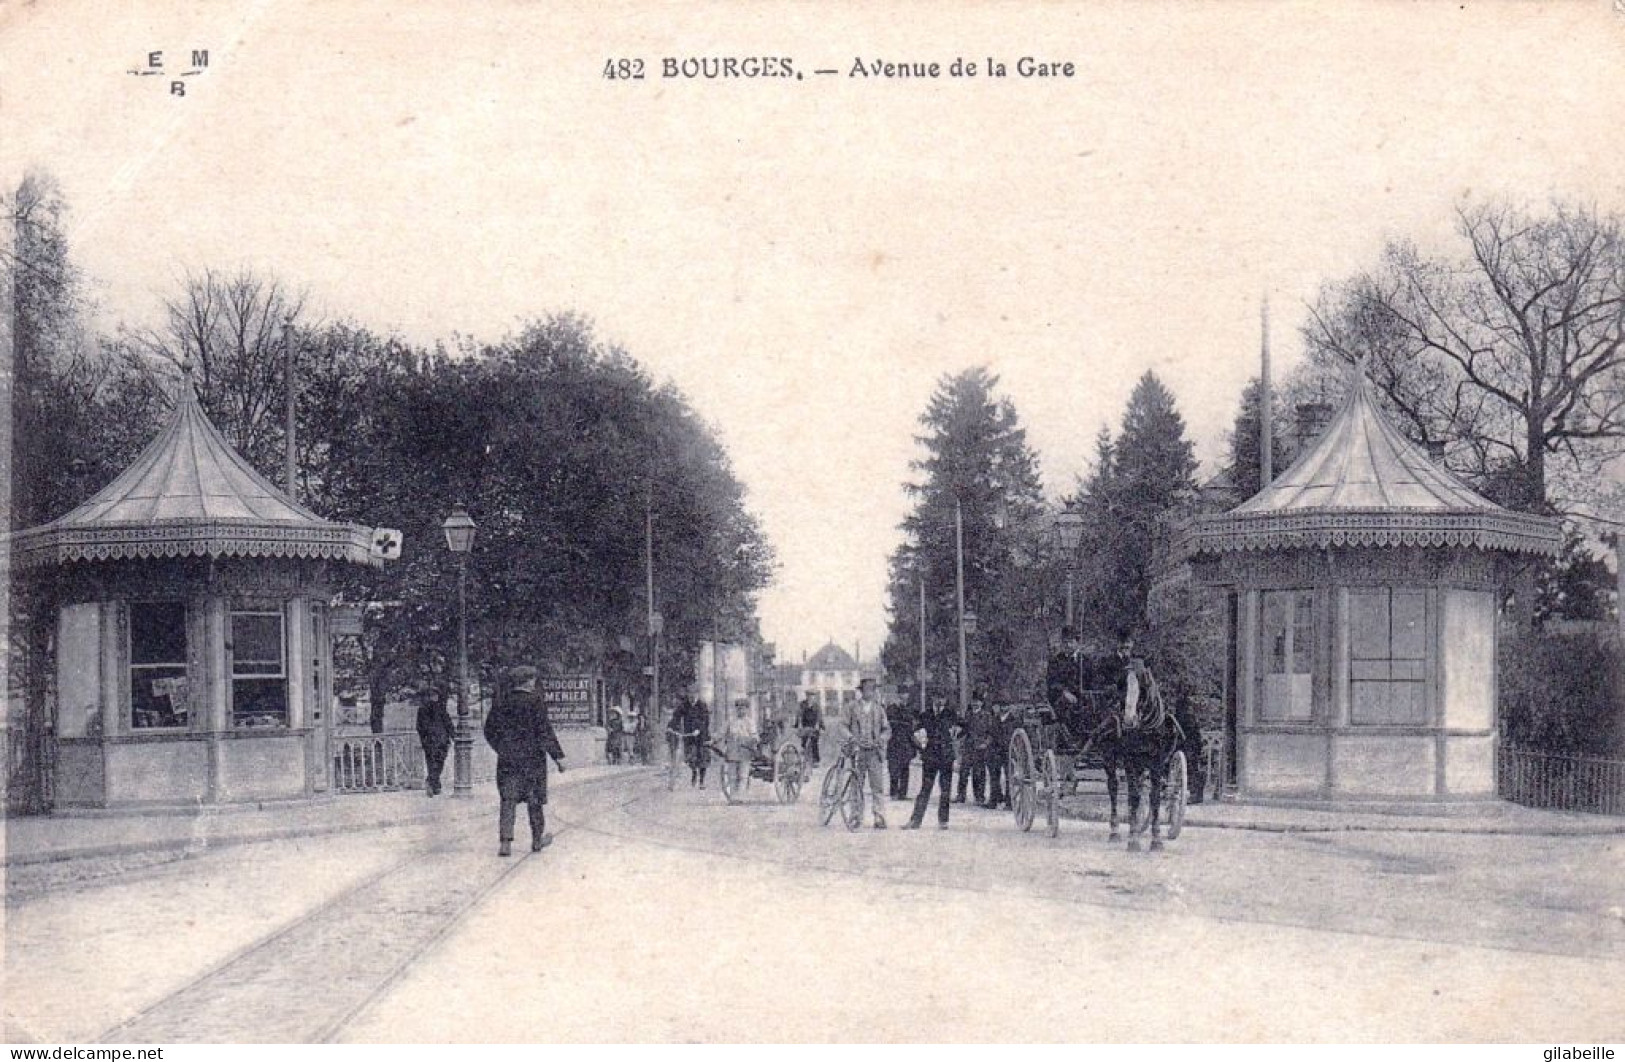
326,966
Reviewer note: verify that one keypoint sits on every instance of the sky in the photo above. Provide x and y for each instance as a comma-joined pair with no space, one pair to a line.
807,257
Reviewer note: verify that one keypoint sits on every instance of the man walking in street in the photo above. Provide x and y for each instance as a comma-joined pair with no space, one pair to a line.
935,740
434,732
520,731
864,724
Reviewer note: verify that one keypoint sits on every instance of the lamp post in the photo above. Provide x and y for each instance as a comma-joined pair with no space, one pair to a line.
459,529
1068,534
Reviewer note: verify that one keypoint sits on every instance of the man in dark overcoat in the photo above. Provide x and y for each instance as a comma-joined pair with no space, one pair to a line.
434,733
998,756
934,737
899,749
520,731
1070,673
976,747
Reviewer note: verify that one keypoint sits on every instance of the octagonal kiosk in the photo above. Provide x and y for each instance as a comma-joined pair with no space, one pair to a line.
192,644
1362,618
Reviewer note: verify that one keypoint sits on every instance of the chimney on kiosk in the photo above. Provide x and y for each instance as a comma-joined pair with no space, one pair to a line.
1312,419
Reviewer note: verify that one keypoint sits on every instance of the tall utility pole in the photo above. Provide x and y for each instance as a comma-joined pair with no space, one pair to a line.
654,619
922,640
959,592
293,400
1266,404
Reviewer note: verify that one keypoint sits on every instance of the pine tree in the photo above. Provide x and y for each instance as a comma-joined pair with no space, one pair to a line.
975,455
1143,475
1243,467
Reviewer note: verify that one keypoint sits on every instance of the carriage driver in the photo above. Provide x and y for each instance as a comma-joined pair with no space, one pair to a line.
1121,665
1070,673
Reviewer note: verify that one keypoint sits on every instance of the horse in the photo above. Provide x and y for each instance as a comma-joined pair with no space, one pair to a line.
1146,739
1091,723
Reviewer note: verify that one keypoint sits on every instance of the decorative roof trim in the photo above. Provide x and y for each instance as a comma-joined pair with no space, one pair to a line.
1380,528
53,544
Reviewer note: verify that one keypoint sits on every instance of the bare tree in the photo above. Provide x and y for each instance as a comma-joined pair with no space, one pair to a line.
228,327
1514,352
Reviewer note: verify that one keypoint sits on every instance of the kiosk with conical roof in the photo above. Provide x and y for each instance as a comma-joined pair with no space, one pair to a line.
192,641
1362,615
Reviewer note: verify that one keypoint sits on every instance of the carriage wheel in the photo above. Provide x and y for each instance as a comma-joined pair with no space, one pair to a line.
1052,785
788,767
730,780
1023,799
1177,792
852,800
829,795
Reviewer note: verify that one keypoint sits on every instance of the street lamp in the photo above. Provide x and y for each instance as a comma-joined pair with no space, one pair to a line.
459,529
1069,534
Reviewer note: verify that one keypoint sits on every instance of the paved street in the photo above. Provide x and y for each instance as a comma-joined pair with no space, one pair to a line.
669,916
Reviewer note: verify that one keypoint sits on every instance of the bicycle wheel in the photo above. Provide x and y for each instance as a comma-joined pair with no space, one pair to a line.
1023,799
829,795
788,768
852,800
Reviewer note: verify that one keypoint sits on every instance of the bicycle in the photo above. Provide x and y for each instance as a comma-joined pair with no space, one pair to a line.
843,790
674,756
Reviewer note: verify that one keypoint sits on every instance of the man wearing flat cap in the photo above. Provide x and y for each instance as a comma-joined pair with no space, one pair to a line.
520,731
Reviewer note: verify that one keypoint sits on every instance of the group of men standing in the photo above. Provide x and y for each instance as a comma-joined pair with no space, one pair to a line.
976,746
885,741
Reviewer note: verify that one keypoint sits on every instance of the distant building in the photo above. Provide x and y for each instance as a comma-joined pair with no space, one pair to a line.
831,675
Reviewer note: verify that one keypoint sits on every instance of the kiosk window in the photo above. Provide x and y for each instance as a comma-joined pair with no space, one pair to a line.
158,688
259,677
1388,655
1289,639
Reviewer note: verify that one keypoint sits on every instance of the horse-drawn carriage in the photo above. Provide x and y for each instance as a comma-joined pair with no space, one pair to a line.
1110,732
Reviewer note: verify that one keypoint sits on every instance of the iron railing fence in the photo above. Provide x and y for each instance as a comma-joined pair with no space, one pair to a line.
377,763
392,760
1561,782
